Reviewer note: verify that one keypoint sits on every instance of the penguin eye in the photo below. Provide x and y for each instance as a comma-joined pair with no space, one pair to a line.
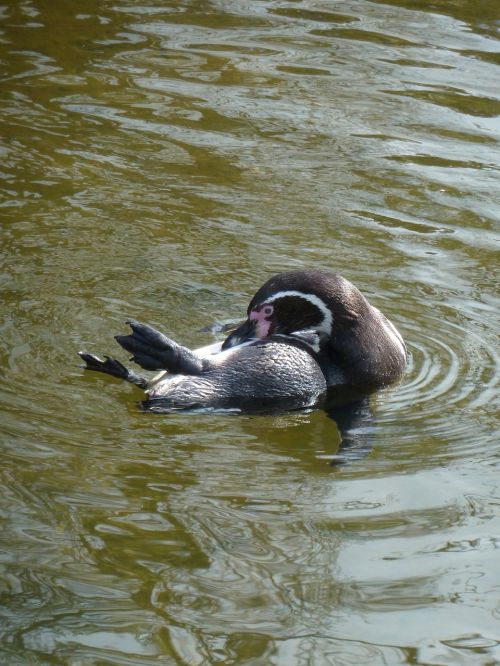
268,310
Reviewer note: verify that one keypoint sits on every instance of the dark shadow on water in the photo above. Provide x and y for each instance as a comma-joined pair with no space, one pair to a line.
350,408
355,422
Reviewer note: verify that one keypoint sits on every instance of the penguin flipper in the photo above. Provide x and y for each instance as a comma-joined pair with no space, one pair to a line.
154,351
111,366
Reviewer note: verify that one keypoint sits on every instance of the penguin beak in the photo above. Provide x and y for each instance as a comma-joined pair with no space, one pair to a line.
244,333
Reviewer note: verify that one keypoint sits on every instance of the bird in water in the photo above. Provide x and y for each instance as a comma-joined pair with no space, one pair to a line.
310,339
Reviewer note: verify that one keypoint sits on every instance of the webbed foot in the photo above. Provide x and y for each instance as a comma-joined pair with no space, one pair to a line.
154,351
111,366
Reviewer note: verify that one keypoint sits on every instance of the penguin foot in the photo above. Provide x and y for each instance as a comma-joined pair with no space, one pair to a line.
112,367
154,351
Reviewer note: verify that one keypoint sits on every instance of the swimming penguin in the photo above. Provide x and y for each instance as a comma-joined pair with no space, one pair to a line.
307,331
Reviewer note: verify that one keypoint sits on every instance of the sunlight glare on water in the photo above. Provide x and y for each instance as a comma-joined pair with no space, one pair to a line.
159,161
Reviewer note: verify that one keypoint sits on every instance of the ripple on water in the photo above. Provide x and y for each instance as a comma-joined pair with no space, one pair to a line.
451,380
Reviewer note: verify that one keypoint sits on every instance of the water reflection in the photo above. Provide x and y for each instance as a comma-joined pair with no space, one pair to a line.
159,161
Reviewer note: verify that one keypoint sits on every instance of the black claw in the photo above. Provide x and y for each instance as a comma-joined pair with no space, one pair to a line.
90,360
148,335
132,343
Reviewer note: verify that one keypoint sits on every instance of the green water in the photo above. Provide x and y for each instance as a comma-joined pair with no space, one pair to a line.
160,161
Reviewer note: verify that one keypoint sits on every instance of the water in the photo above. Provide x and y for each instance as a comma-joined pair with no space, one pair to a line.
160,161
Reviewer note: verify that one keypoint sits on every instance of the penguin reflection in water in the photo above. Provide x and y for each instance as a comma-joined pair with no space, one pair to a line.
310,339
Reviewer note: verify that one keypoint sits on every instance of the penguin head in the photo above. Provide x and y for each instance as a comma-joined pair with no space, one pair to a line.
298,301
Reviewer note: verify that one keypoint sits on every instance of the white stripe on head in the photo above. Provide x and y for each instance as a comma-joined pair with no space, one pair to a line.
326,324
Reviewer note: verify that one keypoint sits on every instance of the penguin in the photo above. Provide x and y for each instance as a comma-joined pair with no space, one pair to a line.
308,333
276,374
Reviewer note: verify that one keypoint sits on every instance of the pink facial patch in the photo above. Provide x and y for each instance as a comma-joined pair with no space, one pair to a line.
260,316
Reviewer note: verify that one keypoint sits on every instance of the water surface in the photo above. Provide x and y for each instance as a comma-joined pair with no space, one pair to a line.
159,161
